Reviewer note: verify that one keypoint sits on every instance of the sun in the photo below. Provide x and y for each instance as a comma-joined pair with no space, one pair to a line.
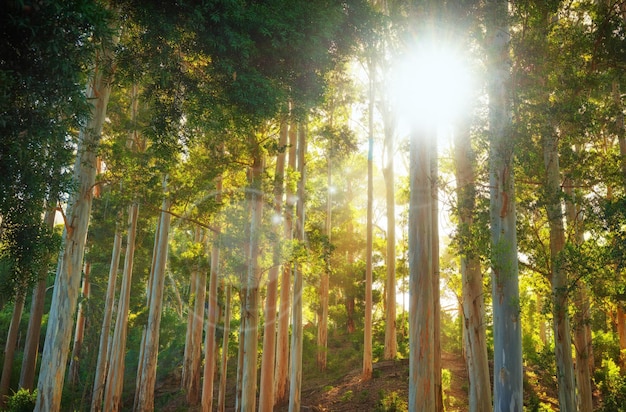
433,85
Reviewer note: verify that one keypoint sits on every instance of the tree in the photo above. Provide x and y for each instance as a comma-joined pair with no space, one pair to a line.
475,338
508,385
67,280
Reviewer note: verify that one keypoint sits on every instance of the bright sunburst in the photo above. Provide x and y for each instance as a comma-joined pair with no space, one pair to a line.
433,85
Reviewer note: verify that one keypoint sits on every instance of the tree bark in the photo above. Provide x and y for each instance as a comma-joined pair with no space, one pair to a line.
367,327
282,343
194,363
322,326
421,302
473,311
297,333
31,348
9,348
79,332
434,175
582,316
67,281
559,281
115,373
508,383
266,393
391,343
221,402
105,333
251,312
210,345
145,398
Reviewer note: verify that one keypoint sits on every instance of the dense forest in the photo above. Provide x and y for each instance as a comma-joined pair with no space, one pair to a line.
221,204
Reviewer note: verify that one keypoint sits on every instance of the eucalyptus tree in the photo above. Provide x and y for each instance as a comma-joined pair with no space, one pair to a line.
508,383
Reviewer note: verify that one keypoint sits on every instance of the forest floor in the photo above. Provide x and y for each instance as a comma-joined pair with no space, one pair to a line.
387,390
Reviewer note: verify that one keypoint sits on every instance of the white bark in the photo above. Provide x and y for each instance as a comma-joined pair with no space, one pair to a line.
67,281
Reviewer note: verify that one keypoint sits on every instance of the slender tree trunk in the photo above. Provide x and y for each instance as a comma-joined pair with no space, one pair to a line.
322,326
266,393
67,281
241,341
559,281
210,345
29,361
297,332
282,343
251,312
221,401
508,383
115,373
105,333
391,344
193,290
367,327
79,332
9,348
434,175
582,344
421,304
145,397
473,303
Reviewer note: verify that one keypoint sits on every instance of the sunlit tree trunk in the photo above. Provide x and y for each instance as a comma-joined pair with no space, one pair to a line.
322,326
508,383
297,332
282,342
581,324
221,401
266,393
67,281
105,333
475,338
115,370
9,347
251,311
391,344
421,302
367,327
559,281
210,345
29,360
79,332
434,175
145,397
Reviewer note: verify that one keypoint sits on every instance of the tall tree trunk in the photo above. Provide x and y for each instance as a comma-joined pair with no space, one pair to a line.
322,326
434,188
251,312
193,290
67,281
475,337
559,281
115,372
266,393
282,343
31,348
367,326
210,345
391,343
508,383
79,332
297,332
9,348
221,401
582,318
194,363
421,303
105,333
145,397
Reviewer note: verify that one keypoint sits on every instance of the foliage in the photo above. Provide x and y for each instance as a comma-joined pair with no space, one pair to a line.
21,401
612,385
391,402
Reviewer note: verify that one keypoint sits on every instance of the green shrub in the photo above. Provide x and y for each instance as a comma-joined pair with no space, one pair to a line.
612,385
22,401
391,402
